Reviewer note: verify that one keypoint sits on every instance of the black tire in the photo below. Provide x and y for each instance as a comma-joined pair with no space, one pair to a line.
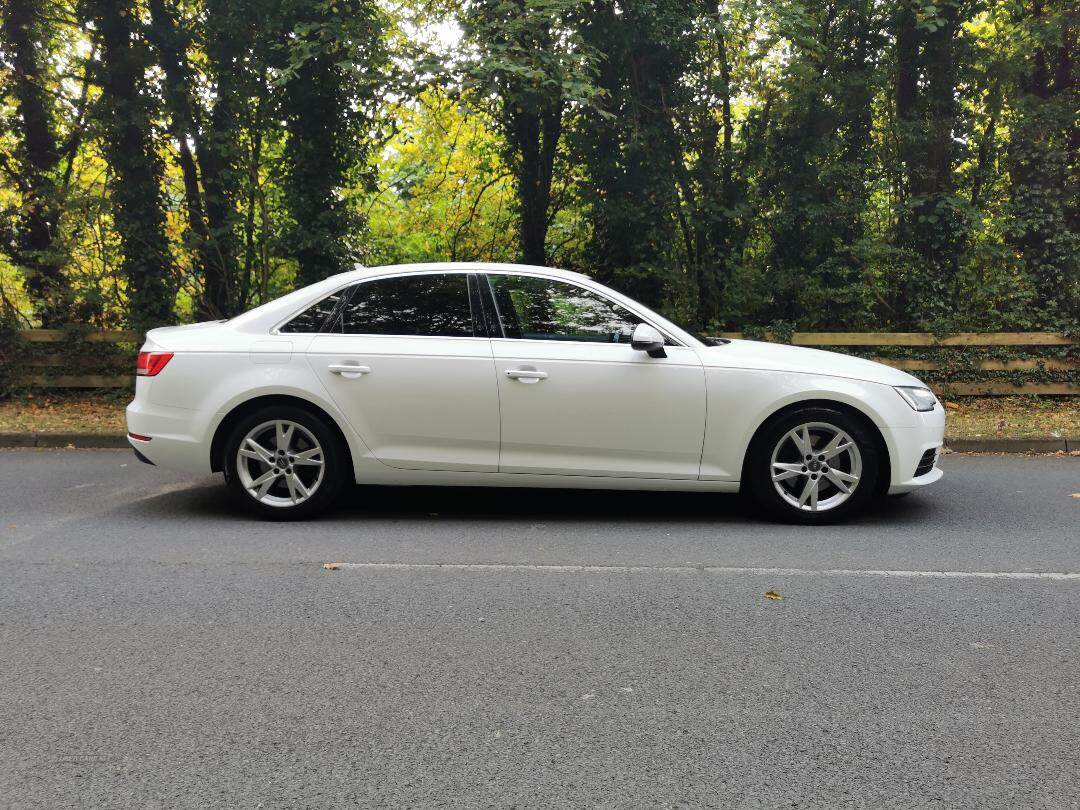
333,455
758,470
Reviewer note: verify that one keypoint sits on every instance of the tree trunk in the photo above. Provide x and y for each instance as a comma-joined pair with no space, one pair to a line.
212,215
926,115
981,174
137,168
535,137
178,98
219,159
34,244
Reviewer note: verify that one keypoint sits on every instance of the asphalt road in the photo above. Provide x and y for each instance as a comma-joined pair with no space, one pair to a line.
157,649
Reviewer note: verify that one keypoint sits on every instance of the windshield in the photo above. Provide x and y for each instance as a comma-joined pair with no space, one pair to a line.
706,339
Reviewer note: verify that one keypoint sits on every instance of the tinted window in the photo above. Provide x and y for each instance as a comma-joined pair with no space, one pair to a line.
543,309
434,305
313,319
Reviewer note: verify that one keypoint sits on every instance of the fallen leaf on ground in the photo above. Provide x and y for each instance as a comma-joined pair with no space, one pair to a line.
331,566
772,595
1076,495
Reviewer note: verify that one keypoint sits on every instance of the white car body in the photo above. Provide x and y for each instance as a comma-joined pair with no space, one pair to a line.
443,411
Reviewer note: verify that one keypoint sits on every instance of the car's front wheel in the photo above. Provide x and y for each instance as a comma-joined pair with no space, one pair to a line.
283,463
813,465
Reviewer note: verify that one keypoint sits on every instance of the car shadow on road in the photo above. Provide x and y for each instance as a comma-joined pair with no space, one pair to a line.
212,501
498,503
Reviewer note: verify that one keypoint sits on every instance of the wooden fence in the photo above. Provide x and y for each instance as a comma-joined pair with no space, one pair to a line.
51,379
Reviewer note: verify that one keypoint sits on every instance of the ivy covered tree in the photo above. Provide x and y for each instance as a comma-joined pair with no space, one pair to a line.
1043,155
530,69
630,151
931,215
31,235
333,62
128,142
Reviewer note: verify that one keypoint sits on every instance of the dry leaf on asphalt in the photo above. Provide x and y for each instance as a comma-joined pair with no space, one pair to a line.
772,595
331,566
1076,494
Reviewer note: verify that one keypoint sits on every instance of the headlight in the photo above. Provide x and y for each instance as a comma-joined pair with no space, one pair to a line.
921,399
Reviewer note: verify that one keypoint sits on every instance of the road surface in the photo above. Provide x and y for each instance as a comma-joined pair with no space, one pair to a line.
535,648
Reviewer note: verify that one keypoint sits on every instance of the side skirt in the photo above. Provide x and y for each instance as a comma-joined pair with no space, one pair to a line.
496,479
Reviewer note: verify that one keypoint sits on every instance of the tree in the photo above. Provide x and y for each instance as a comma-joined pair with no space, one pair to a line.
1044,156
529,70
34,242
931,219
816,176
208,140
127,139
332,66
632,156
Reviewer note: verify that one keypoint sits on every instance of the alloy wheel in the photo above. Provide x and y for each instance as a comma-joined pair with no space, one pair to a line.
280,463
816,466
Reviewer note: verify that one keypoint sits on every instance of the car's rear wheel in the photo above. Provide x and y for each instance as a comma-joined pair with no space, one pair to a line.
813,465
284,463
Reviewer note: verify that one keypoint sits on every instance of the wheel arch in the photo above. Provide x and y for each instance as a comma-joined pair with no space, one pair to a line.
885,472
242,409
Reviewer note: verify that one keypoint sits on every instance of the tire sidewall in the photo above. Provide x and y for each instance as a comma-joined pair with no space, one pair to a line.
759,470
333,455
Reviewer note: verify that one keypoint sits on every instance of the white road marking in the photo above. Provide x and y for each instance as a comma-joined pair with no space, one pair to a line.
709,569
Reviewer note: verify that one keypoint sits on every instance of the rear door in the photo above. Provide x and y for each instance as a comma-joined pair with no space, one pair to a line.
407,360
576,399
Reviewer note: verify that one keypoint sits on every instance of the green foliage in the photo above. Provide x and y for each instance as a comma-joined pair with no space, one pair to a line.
530,69
445,191
332,59
739,164
126,110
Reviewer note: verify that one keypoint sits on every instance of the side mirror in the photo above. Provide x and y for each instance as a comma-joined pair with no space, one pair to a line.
647,339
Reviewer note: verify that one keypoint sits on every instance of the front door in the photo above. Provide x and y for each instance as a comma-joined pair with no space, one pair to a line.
576,399
414,376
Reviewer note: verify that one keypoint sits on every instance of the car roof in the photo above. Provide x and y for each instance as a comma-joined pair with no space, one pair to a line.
474,267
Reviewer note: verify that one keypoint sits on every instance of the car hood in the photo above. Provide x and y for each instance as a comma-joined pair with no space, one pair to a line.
796,359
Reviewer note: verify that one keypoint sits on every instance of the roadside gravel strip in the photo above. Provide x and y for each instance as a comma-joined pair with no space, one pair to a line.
97,441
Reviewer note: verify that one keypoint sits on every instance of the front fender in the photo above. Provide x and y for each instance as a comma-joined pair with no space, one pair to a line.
741,400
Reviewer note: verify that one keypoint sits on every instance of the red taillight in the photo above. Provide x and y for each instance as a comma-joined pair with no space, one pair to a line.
151,363
138,437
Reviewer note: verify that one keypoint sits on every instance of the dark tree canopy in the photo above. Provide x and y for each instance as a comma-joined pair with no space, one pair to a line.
848,164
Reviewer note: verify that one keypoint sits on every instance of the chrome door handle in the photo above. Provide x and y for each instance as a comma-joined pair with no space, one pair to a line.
347,371
526,375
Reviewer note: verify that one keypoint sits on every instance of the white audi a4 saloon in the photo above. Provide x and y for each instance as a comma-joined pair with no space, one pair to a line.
508,375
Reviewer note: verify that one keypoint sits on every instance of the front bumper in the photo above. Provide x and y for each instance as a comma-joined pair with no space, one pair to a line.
907,448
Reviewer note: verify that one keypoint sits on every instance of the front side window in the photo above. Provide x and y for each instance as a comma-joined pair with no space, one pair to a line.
435,305
545,309
313,319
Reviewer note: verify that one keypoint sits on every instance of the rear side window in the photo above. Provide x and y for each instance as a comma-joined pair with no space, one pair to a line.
436,305
313,319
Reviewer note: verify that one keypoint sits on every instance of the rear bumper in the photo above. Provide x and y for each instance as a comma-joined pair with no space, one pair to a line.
175,441
907,447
